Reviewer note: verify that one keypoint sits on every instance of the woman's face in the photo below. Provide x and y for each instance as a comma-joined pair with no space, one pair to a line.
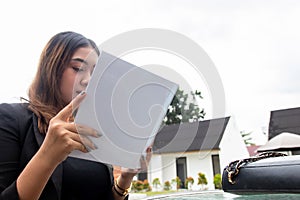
78,72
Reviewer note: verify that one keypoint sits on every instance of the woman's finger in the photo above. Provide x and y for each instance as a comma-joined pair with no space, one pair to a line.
146,159
88,144
82,130
87,131
79,146
81,133
149,154
67,111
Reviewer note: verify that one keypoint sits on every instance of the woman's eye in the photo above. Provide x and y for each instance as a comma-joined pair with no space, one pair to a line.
77,69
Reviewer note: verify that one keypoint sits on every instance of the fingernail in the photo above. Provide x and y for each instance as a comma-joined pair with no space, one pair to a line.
82,92
88,149
97,134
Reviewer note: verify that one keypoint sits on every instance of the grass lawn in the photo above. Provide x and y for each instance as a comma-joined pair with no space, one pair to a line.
151,193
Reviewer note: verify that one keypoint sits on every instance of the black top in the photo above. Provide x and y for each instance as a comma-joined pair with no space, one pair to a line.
84,179
72,179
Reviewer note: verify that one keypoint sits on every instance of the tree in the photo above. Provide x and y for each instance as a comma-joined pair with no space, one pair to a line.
182,111
247,138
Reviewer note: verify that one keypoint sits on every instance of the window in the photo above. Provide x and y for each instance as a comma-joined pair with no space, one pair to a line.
181,170
216,164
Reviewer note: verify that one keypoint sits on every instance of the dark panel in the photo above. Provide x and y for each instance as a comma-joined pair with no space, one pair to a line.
181,170
216,164
287,120
203,135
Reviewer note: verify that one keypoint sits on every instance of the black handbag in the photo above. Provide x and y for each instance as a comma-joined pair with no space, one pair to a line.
266,173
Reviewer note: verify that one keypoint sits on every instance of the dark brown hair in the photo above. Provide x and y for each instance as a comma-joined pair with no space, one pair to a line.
45,98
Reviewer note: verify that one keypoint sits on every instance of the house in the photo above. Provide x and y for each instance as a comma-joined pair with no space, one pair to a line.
186,149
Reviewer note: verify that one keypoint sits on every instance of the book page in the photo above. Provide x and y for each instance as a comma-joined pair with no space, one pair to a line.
126,104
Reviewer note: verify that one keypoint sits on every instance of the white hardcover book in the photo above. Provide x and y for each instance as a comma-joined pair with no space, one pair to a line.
126,104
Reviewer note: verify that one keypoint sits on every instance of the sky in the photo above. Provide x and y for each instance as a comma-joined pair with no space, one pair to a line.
253,44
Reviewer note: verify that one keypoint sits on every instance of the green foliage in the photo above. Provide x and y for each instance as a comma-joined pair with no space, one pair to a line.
247,138
177,181
167,186
138,186
146,185
202,179
218,181
188,180
155,182
182,111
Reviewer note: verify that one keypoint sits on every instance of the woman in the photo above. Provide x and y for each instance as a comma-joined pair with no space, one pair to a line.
38,136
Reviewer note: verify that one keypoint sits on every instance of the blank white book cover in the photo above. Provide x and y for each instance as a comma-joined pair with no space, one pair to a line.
126,104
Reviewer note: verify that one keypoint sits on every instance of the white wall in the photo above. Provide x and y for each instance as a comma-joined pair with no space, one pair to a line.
155,168
196,162
169,167
162,167
232,146
201,162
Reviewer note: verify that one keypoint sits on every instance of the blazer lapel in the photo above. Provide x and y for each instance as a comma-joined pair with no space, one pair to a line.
58,172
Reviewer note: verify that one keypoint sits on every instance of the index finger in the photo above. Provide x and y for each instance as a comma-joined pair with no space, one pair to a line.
67,111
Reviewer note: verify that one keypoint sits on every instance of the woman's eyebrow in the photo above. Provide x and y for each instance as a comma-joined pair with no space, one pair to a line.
80,60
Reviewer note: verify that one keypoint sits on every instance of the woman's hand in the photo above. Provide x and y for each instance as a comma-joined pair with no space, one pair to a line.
61,139
127,175
62,136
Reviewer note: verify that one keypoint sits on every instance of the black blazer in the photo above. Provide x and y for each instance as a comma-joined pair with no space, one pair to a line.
19,141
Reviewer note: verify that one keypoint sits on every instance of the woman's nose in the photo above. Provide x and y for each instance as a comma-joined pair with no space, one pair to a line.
85,80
